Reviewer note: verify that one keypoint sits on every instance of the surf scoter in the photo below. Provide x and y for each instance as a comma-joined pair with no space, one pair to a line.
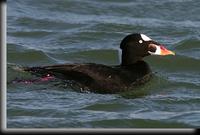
99,78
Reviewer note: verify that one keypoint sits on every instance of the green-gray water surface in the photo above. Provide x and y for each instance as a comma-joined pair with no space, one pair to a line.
45,32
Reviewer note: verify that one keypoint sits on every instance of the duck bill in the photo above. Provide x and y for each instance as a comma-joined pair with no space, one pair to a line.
160,50
165,51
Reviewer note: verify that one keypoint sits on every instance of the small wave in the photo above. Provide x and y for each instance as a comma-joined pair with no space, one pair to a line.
189,48
26,56
188,44
135,123
177,63
104,56
45,24
30,34
46,21
187,117
187,79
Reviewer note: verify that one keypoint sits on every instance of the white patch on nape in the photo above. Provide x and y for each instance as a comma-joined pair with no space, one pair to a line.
145,38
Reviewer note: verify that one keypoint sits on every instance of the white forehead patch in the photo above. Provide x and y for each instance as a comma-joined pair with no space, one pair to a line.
145,38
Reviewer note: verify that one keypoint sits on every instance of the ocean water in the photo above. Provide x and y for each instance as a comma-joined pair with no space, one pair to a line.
45,32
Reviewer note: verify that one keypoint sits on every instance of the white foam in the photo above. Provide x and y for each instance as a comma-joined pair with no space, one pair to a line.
120,55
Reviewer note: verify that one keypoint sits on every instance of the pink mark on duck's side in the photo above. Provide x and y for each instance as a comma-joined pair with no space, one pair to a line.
48,77
27,82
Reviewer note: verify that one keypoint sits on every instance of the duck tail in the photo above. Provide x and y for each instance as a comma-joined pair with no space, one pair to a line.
34,70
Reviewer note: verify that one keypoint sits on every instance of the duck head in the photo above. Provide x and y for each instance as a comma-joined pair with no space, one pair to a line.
137,46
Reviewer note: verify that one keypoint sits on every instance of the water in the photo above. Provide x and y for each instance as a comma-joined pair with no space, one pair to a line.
42,32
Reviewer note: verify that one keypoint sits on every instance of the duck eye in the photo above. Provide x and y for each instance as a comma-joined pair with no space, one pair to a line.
140,41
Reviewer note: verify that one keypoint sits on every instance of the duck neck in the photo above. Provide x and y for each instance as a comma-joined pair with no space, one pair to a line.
129,59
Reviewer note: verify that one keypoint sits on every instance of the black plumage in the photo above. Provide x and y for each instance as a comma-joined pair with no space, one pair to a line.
99,78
